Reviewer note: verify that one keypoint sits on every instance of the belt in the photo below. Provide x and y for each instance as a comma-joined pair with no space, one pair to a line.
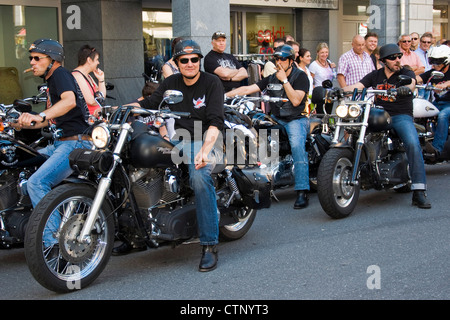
76,137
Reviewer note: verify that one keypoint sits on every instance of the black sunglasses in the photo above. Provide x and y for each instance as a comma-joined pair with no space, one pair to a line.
281,58
414,38
406,41
186,60
393,57
36,58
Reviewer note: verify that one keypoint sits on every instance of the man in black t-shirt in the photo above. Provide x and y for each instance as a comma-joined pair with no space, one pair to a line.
224,65
66,108
203,99
292,83
401,112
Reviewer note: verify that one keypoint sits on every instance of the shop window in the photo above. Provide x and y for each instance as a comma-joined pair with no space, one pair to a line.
157,35
440,22
263,28
19,27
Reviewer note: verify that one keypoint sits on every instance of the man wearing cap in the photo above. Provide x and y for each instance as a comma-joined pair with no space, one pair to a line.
224,65
401,112
66,108
203,99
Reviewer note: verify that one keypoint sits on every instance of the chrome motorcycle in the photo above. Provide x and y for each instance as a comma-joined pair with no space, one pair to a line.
129,186
365,153
426,116
273,142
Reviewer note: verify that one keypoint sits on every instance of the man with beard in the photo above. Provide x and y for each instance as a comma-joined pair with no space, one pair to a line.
401,112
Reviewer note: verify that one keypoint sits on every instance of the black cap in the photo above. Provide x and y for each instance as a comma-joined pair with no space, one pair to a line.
218,34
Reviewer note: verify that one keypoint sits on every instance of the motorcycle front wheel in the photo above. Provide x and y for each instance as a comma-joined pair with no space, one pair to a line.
54,254
231,232
337,196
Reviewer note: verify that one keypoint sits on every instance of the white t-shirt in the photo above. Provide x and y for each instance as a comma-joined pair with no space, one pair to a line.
320,73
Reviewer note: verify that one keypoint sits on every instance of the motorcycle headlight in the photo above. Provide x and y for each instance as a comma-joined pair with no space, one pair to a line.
101,136
354,111
342,111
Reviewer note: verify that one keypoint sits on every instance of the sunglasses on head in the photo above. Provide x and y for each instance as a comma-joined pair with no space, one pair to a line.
281,58
186,60
36,58
393,57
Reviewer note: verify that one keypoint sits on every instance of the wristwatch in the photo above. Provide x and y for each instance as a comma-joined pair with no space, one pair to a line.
43,116
285,81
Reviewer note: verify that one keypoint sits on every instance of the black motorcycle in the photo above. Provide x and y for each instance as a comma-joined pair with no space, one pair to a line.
129,186
19,159
365,153
425,119
273,142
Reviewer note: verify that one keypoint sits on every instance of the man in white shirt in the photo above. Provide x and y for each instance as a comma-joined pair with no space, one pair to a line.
424,48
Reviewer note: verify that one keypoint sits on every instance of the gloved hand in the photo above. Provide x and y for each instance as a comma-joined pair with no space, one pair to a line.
404,91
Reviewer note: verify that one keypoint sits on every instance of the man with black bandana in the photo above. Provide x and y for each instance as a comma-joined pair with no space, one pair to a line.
203,98
401,112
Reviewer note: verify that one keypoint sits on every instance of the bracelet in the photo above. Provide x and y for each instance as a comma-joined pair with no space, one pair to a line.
101,81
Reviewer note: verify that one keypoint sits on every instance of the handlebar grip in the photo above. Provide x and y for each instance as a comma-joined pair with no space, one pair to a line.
181,114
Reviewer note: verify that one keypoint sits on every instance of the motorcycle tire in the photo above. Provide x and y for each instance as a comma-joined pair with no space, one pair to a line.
337,197
65,265
237,230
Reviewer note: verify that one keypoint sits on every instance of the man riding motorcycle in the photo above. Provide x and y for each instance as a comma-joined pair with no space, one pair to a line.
439,58
203,99
292,83
401,112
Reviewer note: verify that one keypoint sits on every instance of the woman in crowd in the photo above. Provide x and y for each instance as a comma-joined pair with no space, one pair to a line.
88,62
170,67
322,69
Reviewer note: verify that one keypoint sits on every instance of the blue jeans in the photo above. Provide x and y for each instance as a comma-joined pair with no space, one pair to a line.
404,126
205,193
297,131
54,170
441,132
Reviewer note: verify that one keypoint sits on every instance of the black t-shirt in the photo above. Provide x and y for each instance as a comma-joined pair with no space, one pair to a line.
426,75
204,101
75,121
214,59
298,80
377,79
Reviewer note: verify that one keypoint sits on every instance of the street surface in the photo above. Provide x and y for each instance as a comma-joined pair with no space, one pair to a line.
386,250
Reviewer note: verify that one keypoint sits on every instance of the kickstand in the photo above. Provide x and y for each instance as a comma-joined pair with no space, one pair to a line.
272,194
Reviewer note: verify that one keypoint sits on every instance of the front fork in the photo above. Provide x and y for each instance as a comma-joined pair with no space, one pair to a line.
103,187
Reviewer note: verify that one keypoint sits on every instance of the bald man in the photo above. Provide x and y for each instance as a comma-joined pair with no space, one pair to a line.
354,64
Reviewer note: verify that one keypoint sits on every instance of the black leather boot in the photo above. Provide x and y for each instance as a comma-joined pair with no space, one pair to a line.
209,258
302,200
419,199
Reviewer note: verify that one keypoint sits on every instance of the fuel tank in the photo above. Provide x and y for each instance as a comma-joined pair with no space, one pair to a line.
424,109
150,150
14,153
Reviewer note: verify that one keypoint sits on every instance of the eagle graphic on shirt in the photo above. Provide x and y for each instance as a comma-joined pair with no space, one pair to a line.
200,102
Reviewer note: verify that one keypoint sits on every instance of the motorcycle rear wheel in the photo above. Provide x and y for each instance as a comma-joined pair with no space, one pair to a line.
337,197
237,230
65,264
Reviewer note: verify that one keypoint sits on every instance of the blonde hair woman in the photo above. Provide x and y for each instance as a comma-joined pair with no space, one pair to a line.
322,68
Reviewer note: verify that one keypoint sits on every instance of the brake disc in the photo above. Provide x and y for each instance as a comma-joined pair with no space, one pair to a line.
71,249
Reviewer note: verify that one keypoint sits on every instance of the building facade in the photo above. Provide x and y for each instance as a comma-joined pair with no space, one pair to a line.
134,36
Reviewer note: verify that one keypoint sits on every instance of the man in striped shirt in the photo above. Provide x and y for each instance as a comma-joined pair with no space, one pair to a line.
354,64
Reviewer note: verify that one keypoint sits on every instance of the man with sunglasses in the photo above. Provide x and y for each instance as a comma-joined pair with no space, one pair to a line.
401,112
66,108
424,48
410,58
414,41
224,65
439,58
292,83
203,98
